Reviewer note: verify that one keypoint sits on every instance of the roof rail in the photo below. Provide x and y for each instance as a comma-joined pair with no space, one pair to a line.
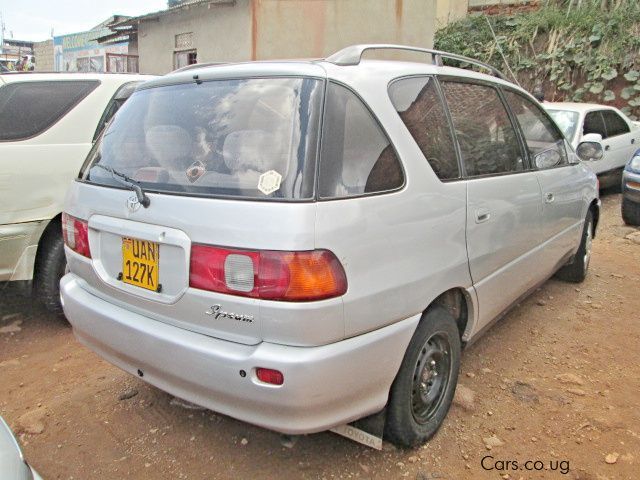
195,66
353,54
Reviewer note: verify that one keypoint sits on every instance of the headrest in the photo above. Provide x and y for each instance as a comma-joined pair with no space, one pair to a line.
250,150
169,143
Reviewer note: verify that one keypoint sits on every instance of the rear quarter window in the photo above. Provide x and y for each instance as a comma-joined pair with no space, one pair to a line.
357,158
29,108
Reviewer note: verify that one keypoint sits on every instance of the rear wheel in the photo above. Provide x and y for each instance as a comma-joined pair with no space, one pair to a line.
630,212
50,269
576,271
423,390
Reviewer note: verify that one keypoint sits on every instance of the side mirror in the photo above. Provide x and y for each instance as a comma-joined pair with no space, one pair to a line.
590,148
591,137
547,159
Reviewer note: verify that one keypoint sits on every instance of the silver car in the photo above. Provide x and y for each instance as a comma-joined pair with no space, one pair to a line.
630,207
302,244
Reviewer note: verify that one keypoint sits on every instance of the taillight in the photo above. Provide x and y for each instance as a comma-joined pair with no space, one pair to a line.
76,234
269,275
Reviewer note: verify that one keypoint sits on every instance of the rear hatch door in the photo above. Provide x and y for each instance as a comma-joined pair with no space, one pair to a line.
228,163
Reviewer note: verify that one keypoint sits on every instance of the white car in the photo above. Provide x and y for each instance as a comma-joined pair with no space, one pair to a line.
619,135
48,123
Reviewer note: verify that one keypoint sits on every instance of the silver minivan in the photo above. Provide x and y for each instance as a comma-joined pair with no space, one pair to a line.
301,244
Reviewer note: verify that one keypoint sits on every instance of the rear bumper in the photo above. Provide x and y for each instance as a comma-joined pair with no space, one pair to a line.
323,386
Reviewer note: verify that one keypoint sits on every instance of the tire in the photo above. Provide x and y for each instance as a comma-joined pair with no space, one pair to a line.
630,212
419,400
50,269
576,271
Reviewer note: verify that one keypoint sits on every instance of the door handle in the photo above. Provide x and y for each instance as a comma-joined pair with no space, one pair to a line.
549,197
633,140
482,215
607,147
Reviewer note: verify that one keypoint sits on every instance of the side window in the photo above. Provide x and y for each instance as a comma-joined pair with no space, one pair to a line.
544,141
614,123
357,157
121,96
29,108
420,108
487,139
593,123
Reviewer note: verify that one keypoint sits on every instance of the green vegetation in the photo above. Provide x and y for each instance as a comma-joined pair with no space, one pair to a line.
580,50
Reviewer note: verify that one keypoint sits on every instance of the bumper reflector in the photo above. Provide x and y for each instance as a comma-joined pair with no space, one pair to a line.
266,375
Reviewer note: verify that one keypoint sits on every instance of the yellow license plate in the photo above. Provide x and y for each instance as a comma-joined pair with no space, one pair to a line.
140,263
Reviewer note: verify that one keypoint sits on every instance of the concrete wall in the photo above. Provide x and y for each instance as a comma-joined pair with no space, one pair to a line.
448,11
267,29
43,51
317,28
221,33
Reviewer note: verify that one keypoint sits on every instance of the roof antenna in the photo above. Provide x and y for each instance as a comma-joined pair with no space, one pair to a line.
501,52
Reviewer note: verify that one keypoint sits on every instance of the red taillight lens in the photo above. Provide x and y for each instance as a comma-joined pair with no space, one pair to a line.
266,375
76,234
270,275
207,270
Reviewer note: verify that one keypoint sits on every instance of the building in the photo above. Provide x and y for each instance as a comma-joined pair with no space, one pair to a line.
241,30
13,50
82,52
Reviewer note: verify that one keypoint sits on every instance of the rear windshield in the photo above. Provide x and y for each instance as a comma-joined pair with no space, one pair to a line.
248,138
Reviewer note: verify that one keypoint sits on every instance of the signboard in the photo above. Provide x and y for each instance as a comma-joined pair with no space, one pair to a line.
80,52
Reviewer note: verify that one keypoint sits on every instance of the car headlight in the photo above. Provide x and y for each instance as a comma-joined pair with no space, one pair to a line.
634,164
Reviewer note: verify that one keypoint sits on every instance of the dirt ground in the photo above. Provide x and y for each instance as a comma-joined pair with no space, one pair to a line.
557,382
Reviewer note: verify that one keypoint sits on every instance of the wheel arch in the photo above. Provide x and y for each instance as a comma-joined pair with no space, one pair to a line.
53,227
458,302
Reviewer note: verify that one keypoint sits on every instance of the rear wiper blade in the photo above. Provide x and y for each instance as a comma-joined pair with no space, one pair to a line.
135,186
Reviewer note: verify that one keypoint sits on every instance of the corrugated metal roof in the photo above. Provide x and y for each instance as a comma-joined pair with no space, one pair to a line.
168,11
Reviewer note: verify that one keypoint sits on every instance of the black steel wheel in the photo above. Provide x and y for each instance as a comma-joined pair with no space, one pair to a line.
423,389
431,377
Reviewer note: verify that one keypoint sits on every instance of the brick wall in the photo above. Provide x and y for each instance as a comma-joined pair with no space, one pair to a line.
503,7
486,3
